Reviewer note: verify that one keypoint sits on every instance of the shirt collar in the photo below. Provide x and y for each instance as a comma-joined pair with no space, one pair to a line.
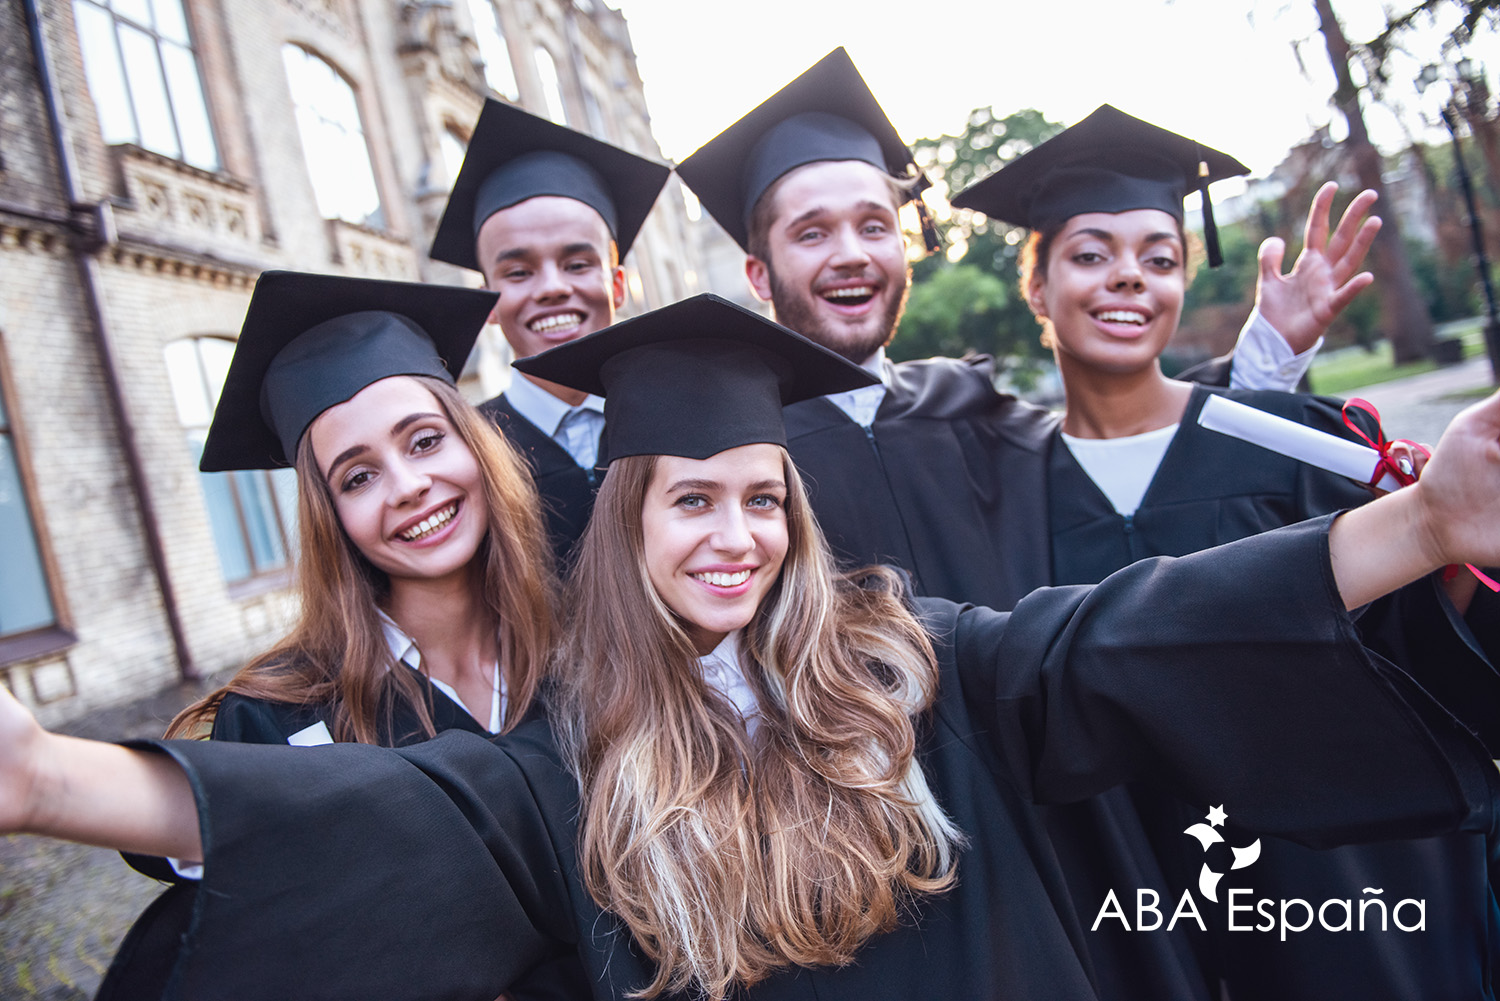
542,408
722,672
861,404
403,648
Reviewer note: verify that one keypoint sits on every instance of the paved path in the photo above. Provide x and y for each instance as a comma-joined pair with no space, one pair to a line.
1420,407
64,908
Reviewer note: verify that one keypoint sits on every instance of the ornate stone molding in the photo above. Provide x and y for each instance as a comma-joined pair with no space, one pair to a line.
172,199
370,254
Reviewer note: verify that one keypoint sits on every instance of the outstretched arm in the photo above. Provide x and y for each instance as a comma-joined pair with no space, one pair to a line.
1450,515
92,792
1325,278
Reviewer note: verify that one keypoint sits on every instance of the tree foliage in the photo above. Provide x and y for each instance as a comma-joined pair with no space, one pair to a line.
967,300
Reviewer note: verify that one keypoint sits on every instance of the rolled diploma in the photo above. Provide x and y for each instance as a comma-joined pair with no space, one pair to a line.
1300,442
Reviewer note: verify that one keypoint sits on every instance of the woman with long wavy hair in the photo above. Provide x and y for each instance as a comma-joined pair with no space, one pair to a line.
424,591
759,779
425,600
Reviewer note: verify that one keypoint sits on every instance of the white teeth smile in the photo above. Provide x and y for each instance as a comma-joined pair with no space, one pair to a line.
857,292
1121,316
723,579
551,324
430,524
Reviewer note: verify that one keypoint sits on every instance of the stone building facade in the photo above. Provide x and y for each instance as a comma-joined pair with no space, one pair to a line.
155,157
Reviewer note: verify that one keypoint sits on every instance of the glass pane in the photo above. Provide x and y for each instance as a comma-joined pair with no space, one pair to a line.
452,148
194,408
101,65
260,520
138,11
295,61
546,67
215,354
154,114
24,602
361,202
170,23
284,486
198,146
498,72
223,520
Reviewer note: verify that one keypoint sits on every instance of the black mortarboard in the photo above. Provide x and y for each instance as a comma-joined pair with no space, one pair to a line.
514,155
1109,162
827,113
310,342
696,377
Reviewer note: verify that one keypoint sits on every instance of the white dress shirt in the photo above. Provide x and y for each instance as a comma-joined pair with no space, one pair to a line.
862,403
576,429
1264,360
723,673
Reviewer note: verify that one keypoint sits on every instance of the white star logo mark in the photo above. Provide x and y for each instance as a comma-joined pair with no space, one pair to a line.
1208,880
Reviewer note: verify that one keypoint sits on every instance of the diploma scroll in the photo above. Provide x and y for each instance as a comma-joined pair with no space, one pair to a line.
1298,441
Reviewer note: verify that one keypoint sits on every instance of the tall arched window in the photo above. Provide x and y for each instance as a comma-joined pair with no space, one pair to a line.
498,72
333,140
546,68
143,76
252,512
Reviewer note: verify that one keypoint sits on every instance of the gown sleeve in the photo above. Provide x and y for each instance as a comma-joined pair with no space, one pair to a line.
426,872
1232,676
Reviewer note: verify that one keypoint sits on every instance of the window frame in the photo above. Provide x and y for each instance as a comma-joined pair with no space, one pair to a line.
59,635
260,578
122,66
379,220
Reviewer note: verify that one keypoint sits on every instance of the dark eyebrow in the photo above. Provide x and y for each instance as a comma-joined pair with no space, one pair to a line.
580,248
1099,234
817,210
513,254
354,450
693,485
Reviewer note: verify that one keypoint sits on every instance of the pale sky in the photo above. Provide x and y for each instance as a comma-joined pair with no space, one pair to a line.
1204,68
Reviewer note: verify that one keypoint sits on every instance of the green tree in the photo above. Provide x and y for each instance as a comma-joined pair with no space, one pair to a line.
967,300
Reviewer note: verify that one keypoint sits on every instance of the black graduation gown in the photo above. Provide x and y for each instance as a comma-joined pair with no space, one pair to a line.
566,488
1211,489
143,963
1074,692
932,485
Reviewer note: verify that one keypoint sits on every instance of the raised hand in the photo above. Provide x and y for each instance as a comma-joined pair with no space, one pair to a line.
1325,278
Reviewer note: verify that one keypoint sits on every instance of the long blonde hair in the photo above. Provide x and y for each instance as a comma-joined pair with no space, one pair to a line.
727,857
337,653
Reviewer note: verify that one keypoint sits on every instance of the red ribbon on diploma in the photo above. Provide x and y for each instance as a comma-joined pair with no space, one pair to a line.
1404,474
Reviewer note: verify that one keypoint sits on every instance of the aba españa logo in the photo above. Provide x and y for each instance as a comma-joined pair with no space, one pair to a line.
1208,835
1243,911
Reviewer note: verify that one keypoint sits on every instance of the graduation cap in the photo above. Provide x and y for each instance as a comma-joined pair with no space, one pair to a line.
514,155
696,377
827,113
310,342
1109,162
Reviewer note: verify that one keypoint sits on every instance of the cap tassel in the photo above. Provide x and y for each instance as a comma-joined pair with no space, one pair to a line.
1210,228
929,228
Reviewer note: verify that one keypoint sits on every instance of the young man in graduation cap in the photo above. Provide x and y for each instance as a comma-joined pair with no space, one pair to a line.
547,214
914,471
